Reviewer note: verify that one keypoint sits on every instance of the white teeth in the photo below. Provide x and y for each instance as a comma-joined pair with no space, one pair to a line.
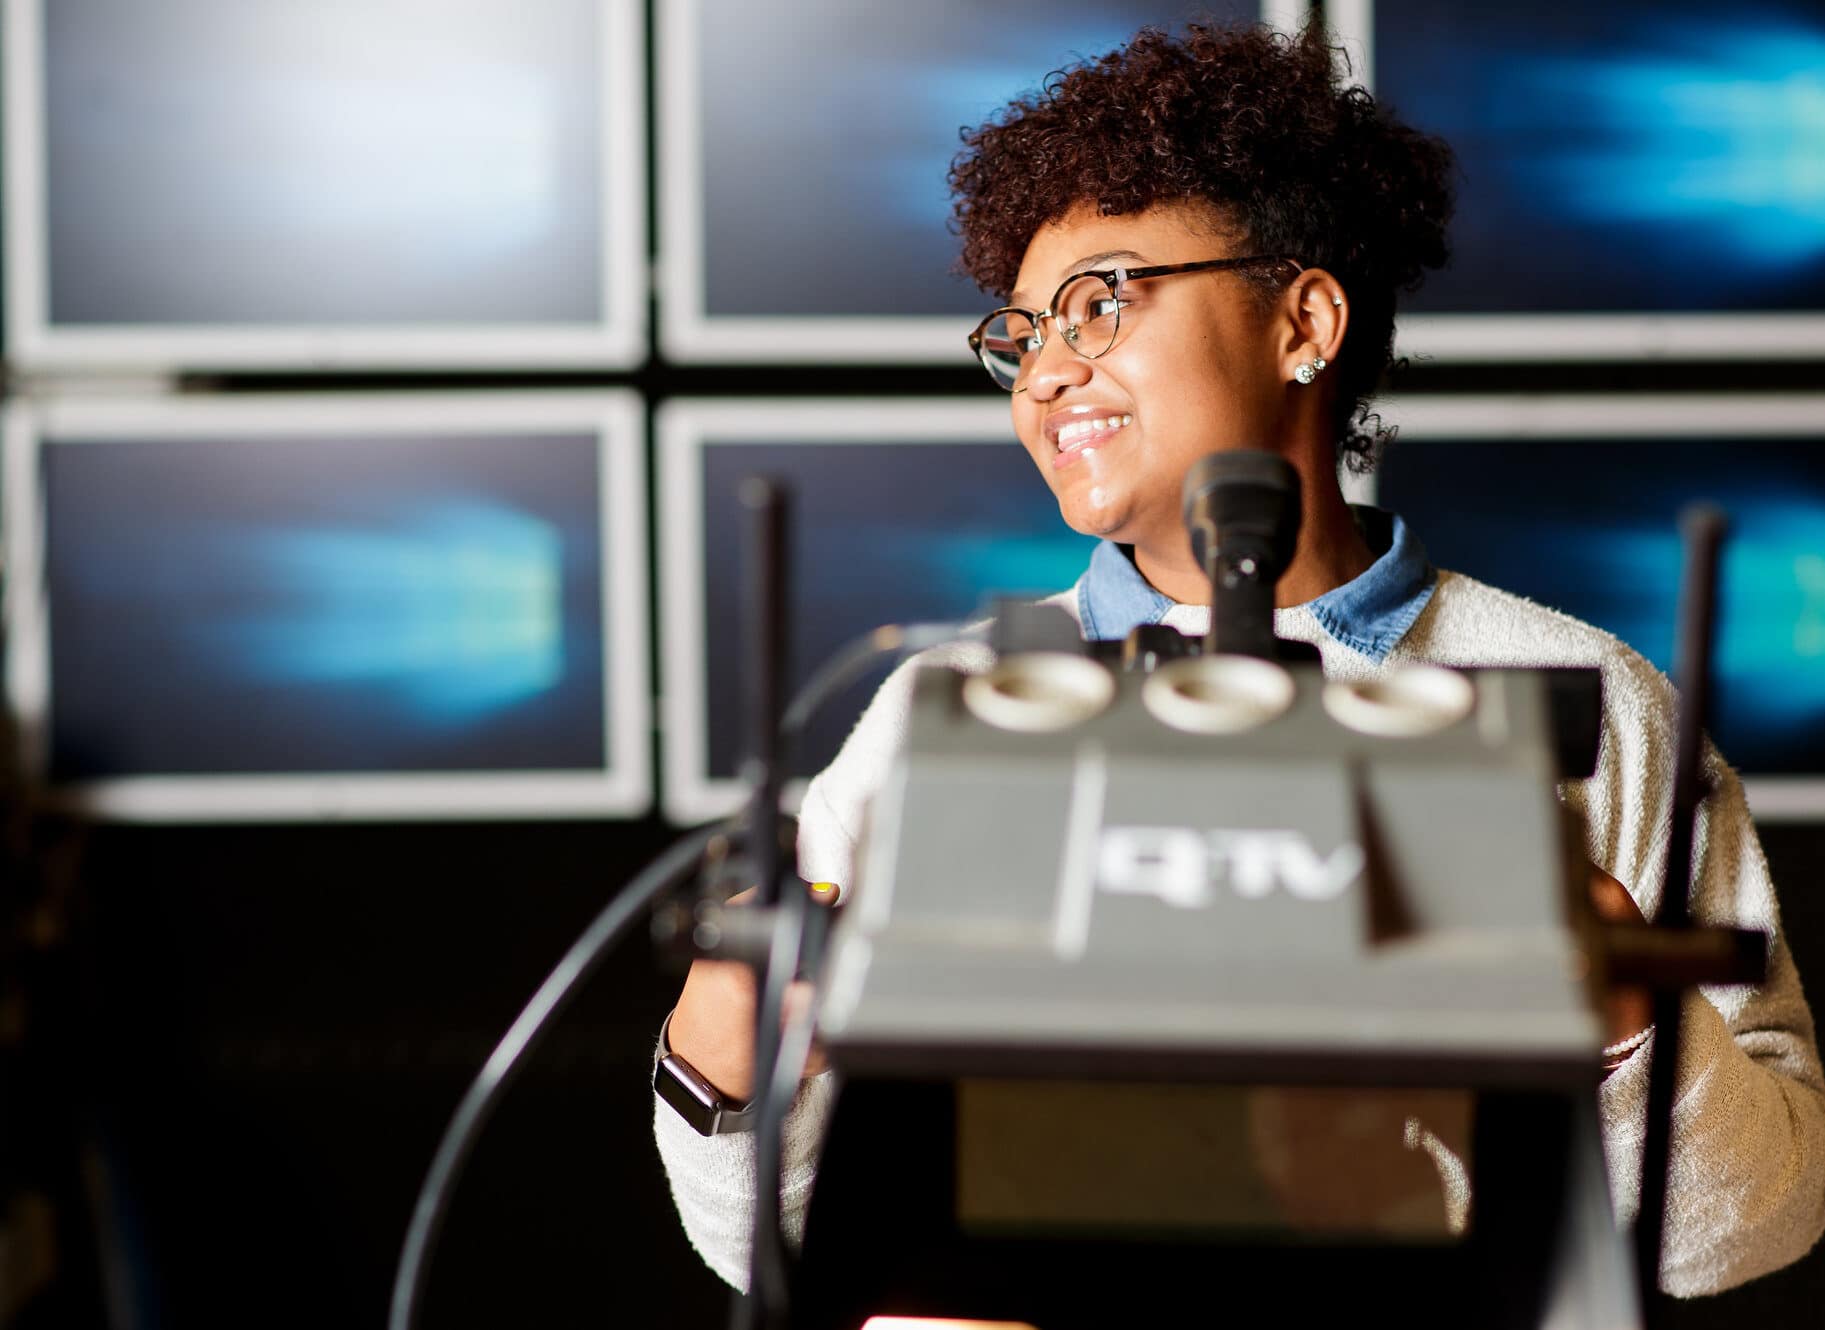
1077,429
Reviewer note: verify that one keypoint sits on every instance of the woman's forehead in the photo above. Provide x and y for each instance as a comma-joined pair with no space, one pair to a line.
1084,237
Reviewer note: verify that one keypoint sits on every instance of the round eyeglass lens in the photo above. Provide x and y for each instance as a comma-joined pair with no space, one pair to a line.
1088,315
1008,347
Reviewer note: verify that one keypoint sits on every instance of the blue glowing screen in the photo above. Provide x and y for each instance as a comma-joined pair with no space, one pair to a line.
882,533
828,128
1590,527
336,162
332,604
1636,157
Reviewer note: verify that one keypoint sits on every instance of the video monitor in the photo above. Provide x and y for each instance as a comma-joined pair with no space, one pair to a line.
1636,180
201,184
383,606
911,511
803,156
1574,503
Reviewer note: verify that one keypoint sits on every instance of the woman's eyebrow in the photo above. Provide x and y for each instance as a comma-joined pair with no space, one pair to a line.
1091,260
1086,262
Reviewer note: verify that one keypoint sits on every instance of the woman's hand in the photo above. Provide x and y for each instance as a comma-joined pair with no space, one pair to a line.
713,1024
1627,1011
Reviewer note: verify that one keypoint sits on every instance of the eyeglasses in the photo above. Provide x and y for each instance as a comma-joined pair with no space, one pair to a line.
1086,310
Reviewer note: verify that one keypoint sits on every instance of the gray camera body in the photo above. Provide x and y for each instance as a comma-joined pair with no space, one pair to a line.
1227,873
1298,898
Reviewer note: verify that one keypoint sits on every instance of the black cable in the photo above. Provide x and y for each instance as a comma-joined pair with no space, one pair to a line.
581,961
853,658
775,1079
509,1056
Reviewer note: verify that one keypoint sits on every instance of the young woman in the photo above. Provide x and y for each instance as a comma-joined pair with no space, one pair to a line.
1198,242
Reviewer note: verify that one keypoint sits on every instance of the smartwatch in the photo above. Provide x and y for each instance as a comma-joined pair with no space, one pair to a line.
695,1099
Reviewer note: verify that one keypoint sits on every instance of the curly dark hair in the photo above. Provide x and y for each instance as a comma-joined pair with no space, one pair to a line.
1255,122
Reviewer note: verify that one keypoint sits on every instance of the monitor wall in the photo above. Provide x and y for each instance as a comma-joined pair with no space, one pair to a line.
373,606
917,510
205,184
1636,181
1574,503
818,231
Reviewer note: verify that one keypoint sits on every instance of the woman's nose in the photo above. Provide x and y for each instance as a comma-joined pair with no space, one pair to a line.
1055,368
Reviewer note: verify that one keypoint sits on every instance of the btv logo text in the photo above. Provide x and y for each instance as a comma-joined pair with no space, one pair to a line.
1184,867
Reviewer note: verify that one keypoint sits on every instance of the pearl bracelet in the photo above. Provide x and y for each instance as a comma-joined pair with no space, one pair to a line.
1618,1053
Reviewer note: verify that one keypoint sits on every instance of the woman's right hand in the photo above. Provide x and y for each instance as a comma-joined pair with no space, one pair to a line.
713,1024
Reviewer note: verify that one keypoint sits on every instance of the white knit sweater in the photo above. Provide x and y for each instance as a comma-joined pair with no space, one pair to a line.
1747,1192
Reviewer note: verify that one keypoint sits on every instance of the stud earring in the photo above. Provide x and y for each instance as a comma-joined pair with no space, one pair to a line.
1310,369
1337,301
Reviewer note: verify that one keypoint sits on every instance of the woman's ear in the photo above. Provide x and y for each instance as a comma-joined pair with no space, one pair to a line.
1317,314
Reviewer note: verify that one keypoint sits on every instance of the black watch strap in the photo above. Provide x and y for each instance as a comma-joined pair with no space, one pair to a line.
695,1099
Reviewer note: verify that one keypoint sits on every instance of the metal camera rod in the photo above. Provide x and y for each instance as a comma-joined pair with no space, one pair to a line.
1703,528
766,506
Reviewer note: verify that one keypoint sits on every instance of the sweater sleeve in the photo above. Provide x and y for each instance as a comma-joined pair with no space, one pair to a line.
1746,1190
712,1178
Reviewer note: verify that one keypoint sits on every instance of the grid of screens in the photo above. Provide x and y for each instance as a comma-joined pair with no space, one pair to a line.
198,185
805,203
360,606
1637,178
210,184
1574,503
919,511
218,184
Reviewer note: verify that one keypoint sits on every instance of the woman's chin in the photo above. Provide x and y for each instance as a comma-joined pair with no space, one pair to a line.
1093,514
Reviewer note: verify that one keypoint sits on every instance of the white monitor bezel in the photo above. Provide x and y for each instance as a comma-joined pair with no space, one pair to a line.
682,429
1580,338
688,332
1515,418
618,340
623,787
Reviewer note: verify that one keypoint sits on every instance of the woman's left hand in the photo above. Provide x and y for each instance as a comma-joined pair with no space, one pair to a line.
1627,1011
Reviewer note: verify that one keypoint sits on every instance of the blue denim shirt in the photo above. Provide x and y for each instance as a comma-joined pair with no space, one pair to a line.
1368,614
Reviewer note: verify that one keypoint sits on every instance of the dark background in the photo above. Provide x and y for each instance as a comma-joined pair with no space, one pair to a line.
264,1029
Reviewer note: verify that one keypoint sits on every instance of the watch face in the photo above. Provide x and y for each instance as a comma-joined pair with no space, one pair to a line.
676,1082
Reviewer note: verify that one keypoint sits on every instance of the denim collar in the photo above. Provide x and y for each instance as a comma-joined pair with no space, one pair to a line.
1368,614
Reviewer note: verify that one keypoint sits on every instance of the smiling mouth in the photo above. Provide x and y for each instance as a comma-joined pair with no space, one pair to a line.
1078,433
